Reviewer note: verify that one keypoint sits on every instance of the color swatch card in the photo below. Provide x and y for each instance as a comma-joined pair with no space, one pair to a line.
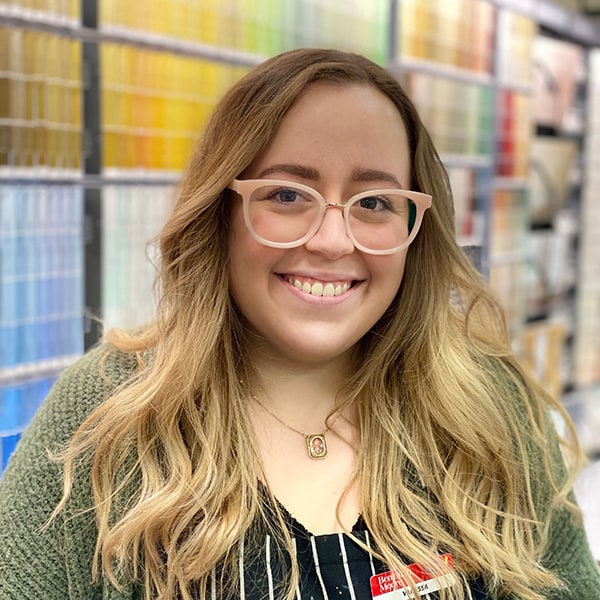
132,217
40,103
41,273
454,33
258,27
41,297
154,107
459,116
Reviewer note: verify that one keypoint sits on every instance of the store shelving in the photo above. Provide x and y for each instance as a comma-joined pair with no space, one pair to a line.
560,19
558,215
587,347
443,52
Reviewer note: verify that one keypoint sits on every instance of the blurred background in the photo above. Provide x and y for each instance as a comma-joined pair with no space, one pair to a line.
101,102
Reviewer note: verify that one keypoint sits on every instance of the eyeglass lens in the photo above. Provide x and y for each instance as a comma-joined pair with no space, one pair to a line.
287,214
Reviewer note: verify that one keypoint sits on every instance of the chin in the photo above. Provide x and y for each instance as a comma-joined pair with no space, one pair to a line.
315,353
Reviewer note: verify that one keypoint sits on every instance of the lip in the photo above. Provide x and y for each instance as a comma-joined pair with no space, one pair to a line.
323,277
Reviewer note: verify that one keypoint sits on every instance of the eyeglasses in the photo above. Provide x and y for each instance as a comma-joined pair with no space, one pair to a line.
282,214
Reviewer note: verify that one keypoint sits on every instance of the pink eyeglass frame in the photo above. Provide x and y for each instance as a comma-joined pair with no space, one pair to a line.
245,188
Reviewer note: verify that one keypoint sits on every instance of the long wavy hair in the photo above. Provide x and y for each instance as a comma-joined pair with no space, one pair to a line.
453,432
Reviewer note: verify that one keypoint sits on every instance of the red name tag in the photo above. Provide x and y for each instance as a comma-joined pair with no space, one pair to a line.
391,586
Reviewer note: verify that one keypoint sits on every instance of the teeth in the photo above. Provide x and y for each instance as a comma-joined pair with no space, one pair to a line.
329,290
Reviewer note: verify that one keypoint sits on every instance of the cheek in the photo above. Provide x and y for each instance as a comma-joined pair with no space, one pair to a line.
389,273
242,265
239,259
390,279
241,243
250,264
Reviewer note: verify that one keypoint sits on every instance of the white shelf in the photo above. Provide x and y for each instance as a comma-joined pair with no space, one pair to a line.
35,370
430,67
467,161
41,174
510,183
136,177
558,18
48,176
42,19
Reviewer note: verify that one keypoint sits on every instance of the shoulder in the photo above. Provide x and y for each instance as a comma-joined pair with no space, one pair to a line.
512,388
79,389
38,561
100,370
56,558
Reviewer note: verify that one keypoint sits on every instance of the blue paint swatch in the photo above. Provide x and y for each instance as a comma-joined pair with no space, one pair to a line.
41,298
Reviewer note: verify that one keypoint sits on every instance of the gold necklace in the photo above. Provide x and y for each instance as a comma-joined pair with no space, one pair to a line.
316,443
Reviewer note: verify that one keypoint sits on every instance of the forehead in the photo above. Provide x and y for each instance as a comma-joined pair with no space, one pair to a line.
340,127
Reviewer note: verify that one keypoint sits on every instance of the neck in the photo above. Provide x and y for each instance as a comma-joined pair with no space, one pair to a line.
303,394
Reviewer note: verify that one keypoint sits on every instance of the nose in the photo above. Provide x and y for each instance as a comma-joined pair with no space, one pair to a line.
331,239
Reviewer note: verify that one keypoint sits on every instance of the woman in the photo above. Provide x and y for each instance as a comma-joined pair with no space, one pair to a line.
326,405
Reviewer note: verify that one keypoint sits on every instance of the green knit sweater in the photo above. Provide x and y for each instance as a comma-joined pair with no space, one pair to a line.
56,564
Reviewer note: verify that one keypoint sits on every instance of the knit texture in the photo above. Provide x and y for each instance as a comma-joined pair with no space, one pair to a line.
56,564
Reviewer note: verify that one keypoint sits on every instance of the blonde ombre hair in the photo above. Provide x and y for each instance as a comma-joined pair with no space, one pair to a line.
446,461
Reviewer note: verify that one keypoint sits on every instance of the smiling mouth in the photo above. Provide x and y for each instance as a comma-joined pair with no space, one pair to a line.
327,289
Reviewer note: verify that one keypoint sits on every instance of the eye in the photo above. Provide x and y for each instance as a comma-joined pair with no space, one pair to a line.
285,195
375,203
288,195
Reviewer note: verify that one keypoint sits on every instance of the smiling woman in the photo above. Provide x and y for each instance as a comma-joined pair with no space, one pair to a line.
326,404
322,242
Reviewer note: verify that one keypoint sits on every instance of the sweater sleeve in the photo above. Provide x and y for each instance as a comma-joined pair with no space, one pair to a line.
568,553
52,563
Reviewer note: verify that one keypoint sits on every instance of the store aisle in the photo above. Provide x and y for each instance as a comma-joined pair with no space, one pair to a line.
587,490
584,408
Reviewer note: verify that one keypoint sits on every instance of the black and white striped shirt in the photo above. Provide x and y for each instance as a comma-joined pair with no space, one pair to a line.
332,567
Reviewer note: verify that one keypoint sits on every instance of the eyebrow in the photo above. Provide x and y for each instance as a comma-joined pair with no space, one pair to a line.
374,175
291,169
313,174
